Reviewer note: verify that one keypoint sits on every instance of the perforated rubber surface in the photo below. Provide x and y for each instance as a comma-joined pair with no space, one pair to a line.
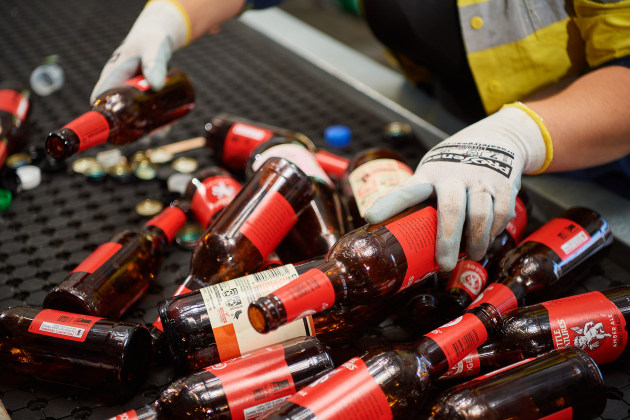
48,231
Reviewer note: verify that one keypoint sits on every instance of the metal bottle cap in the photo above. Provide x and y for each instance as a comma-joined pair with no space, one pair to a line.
185,165
149,207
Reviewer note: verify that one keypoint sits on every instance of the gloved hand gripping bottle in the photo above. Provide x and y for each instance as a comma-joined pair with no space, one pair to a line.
124,114
550,260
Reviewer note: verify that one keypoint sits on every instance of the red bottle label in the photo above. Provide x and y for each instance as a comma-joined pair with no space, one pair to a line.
98,257
590,322
269,223
240,141
469,276
138,82
347,393
516,226
212,195
4,152
14,103
469,366
129,415
310,293
180,291
563,236
332,164
416,234
459,337
170,221
565,414
64,325
92,129
255,383
498,295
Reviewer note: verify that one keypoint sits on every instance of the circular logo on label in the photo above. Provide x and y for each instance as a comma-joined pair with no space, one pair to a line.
453,322
472,281
219,366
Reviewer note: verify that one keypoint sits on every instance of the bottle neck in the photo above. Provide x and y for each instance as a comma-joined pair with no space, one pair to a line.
88,130
169,221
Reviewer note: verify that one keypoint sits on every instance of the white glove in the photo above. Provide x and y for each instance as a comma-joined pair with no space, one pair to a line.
476,175
162,27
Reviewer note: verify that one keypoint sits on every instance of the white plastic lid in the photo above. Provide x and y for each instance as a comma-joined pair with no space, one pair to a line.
178,182
30,176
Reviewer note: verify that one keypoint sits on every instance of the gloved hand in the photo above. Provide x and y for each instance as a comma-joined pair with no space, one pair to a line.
476,175
162,27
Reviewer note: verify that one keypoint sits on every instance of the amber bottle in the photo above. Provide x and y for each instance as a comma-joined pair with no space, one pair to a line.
252,225
14,109
321,224
561,384
392,383
549,261
364,265
76,350
244,387
234,138
118,272
370,174
487,358
124,114
595,322
209,191
469,277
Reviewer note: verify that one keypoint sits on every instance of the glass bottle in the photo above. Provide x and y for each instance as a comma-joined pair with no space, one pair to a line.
487,358
77,350
14,109
209,191
321,224
364,265
252,225
391,383
550,260
244,387
469,277
118,272
234,138
561,384
124,114
596,322
370,174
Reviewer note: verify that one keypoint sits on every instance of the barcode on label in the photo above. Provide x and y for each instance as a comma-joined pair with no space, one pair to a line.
274,273
574,243
466,343
61,329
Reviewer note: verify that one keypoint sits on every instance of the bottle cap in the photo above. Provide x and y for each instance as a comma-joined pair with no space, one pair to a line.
5,199
95,173
145,170
30,176
149,207
185,165
177,182
188,236
121,171
47,79
160,155
18,159
397,131
109,158
338,135
82,165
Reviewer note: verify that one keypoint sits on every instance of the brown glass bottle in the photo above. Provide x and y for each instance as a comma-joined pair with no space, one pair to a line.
76,350
469,277
597,322
370,174
209,191
14,109
321,224
119,271
550,260
364,265
391,383
487,358
562,384
245,387
252,225
124,114
234,138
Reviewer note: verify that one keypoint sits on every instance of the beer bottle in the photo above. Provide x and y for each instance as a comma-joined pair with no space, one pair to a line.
77,350
209,191
487,358
594,322
252,225
391,383
561,384
550,260
124,114
118,272
469,277
242,388
14,109
234,138
321,224
363,266
370,174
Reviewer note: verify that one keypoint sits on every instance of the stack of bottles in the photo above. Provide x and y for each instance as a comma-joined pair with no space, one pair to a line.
287,276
